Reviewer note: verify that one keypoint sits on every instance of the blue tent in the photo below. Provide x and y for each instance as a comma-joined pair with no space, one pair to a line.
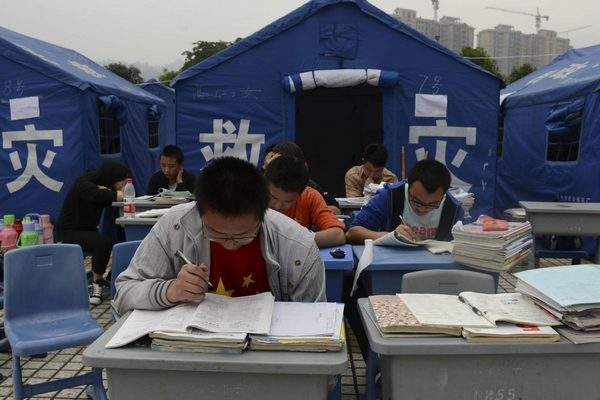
61,115
421,97
551,146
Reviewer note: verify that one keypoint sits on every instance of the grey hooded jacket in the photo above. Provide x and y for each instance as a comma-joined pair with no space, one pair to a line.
294,265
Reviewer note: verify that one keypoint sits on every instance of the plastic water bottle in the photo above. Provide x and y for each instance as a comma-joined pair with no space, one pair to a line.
29,237
8,235
129,199
48,228
36,219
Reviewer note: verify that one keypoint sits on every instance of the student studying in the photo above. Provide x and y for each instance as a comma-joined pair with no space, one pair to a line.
171,176
418,208
234,241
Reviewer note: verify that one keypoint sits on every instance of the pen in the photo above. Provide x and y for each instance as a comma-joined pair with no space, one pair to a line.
185,259
402,219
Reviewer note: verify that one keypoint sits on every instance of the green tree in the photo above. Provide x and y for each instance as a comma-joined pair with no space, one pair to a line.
480,57
131,73
167,76
202,50
518,73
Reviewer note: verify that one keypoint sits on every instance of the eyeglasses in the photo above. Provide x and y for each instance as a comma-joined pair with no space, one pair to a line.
241,240
417,203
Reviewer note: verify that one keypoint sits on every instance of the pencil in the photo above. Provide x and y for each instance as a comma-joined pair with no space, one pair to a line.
185,259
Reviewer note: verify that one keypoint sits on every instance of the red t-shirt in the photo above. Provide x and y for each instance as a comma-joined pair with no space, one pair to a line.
240,272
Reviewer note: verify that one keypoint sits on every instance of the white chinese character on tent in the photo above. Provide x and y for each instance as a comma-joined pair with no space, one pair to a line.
441,129
227,143
32,168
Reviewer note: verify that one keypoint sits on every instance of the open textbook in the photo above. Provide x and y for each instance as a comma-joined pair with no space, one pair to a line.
478,310
394,238
220,314
391,315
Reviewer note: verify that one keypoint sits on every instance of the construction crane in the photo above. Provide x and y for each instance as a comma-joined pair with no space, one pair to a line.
538,17
436,6
575,29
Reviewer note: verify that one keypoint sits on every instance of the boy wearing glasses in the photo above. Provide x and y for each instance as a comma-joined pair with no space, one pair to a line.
233,240
419,208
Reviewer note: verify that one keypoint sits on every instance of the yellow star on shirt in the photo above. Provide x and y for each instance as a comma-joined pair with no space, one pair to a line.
247,281
221,289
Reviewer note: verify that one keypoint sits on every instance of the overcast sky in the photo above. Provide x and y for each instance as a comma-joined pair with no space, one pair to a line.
157,32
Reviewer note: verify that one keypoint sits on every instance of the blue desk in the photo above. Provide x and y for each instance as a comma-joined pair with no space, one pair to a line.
136,228
384,275
334,271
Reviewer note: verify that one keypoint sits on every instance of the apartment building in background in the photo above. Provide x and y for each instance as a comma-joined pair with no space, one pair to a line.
448,31
508,47
511,48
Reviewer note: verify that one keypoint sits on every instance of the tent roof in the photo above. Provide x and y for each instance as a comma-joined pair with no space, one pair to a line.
69,67
575,73
299,15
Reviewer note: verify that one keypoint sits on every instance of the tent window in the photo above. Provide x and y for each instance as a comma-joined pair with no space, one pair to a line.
564,148
564,130
500,136
152,131
109,130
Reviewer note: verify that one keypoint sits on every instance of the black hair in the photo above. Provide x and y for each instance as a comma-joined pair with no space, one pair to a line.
111,171
232,187
173,151
288,173
376,154
431,173
289,149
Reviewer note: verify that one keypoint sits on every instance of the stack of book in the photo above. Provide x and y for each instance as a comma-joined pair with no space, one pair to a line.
491,250
467,199
222,324
173,197
473,315
570,293
315,327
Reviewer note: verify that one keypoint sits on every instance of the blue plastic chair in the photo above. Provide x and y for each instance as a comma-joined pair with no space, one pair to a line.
46,308
439,281
122,254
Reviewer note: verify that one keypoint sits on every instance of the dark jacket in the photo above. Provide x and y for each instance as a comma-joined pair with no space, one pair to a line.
159,180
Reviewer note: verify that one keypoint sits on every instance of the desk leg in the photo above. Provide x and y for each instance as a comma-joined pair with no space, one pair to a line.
533,262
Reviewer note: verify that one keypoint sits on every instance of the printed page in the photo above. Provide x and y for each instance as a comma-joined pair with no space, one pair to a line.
511,307
442,309
142,322
249,314
303,319
394,238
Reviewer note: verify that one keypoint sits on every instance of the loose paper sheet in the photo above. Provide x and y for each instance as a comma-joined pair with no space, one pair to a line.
365,260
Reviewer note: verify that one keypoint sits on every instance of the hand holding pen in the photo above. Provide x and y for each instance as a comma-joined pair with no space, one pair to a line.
191,284
405,230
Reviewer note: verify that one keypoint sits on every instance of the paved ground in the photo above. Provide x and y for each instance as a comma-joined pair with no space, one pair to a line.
68,362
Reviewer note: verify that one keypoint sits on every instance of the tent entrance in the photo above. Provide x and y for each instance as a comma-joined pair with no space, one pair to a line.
333,127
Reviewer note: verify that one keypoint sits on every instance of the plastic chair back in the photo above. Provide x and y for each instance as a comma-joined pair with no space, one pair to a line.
33,276
447,281
122,254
